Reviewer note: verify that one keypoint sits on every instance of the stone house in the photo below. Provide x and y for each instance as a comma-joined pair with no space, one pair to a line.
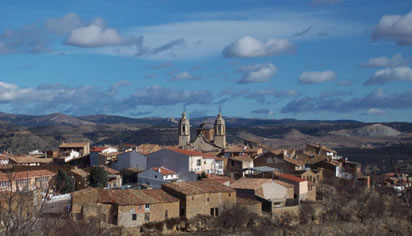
201,197
236,164
29,161
301,185
156,176
313,176
26,180
81,178
275,159
128,208
83,148
320,150
272,194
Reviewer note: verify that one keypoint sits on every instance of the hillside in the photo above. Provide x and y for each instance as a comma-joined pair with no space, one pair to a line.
375,130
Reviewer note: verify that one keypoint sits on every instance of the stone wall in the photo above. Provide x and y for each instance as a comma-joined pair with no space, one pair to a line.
202,203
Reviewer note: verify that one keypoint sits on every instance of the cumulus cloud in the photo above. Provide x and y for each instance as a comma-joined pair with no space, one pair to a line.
317,77
394,28
258,73
184,76
89,99
95,34
377,99
251,47
383,76
65,24
265,112
396,60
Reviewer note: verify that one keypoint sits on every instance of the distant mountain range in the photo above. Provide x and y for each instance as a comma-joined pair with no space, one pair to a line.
23,133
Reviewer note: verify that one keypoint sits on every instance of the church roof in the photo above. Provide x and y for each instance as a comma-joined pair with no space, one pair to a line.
206,125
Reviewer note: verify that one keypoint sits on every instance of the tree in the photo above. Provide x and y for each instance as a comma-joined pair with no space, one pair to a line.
233,218
98,177
64,184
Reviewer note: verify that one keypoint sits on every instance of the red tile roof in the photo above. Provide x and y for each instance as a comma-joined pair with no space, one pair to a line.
164,171
98,149
291,178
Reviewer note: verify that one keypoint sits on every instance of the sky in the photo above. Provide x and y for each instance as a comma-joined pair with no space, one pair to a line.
268,59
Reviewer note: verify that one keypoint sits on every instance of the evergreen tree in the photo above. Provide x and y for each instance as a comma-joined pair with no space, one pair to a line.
98,177
64,184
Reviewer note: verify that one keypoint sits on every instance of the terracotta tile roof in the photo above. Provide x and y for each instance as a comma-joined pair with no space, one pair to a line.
25,174
198,187
148,148
241,158
4,157
79,172
29,159
321,147
164,171
190,152
291,178
74,145
125,197
250,183
219,179
111,171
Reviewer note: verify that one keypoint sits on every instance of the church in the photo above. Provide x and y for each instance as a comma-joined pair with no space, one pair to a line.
210,137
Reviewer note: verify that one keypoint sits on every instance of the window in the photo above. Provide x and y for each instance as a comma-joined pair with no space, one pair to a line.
229,194
134,217
212,211
146,206
146,217
155,176
207,199
193,198
216,211
166,214
199,162
139,207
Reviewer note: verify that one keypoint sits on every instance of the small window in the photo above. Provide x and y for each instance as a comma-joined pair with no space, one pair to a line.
212,211
193,198
166,214
230,195
146,206
134,217
146,217
199,162
139,207
155,176
207,199
216,211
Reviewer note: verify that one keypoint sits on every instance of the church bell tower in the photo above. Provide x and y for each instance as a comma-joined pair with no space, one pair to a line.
220,131
184,130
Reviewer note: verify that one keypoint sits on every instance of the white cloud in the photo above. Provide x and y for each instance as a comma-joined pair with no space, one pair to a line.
390,74
250,47
258,73
64,24
396,60
317,77
95,35
394,28
184,76
375,111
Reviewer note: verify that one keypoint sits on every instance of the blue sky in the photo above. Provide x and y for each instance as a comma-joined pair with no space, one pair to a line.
303,59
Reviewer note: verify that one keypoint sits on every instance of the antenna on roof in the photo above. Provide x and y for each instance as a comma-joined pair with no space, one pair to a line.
220,109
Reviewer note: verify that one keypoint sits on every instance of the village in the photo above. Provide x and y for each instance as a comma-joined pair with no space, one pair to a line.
133,186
